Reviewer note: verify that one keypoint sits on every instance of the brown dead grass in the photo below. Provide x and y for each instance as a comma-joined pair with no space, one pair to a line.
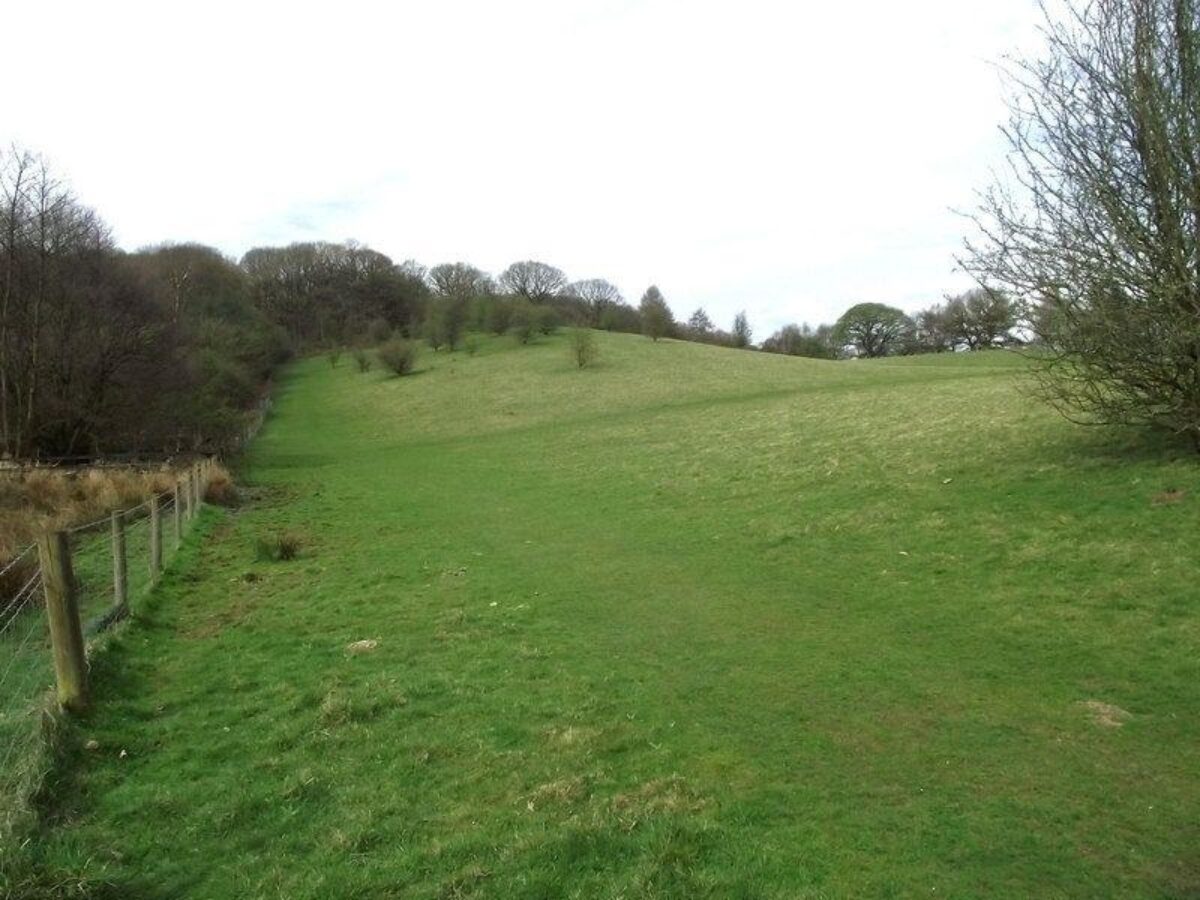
662,796
1106,714
33,500
1165,498
561,792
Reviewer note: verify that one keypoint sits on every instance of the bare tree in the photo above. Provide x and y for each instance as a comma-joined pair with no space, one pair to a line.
598,295
1098,232
455,286
459,281
535,281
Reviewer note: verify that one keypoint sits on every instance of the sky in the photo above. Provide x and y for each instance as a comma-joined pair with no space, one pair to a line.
785,158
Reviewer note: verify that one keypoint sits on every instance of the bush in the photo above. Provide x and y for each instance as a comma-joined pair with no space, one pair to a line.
335,356
522,323
363,360
583,347
498,315
398,356
280,547
545,320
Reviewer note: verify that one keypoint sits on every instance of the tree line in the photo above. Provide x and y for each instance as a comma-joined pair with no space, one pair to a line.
166,349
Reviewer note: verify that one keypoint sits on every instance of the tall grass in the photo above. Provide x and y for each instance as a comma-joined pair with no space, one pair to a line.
32,500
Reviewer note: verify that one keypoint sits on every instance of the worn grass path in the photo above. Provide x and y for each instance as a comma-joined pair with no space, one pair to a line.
694,623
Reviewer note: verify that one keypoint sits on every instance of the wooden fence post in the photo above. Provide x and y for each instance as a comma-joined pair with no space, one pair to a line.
62,611
155,539
120,563
177,515
185,488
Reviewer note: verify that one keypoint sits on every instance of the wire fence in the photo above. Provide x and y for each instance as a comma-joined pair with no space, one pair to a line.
115,562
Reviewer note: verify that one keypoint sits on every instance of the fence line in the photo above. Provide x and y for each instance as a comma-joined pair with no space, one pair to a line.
79,582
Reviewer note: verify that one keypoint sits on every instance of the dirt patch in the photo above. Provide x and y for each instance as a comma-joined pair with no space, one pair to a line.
1166,498
1106,714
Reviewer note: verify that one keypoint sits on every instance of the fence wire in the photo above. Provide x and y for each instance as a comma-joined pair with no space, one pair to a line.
26,673
26,660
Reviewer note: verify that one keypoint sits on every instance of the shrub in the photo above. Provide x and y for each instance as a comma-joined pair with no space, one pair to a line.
363,360
583,347
398,356
545,320
522,323
280,547
498,315
335,356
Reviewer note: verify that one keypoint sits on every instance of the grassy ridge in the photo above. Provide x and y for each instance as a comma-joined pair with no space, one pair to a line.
696,622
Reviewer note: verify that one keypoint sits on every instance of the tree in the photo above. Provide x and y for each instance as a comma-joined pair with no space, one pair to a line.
459,281
398,356
325,293
741,331
535,281
802,340
931,332
597,295
657,320
81,329
699,325
621,317
1099,232
873,328
979,319
456,286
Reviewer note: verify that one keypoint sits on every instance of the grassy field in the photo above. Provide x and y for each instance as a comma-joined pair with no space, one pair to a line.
695,622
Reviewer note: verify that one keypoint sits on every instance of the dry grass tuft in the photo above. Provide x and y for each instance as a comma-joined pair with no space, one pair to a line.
558,793
221,490
662,796
570,735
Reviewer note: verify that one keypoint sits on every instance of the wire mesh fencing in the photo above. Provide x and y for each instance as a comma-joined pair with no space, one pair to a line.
26,670
112,565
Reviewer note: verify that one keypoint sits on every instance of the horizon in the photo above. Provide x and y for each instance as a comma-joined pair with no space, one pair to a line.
710,181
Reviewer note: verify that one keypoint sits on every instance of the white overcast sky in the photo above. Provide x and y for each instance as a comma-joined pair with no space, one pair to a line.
787,158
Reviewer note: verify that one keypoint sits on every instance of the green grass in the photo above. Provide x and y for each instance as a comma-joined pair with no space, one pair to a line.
694,622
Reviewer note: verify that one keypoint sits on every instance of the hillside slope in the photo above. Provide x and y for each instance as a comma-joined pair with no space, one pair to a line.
696,622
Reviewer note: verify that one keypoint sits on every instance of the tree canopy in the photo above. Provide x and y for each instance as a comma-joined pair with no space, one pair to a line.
874,329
